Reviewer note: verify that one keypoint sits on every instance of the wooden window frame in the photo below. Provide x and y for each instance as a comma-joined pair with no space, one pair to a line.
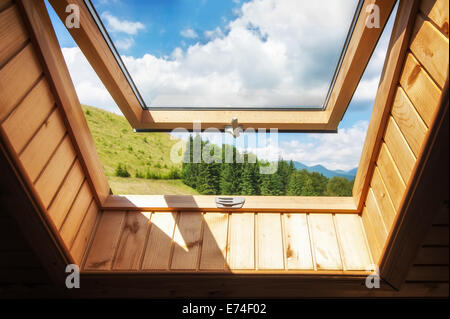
415,207
112,76
361,45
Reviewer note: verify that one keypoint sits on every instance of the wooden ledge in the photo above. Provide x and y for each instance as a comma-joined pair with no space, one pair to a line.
292,204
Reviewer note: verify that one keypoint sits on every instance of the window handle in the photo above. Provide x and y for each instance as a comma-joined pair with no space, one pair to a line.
230,202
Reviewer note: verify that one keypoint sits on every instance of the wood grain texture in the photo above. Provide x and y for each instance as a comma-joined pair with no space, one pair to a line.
191,243
420,89
391,176
43,144
382,199
14,88
104,245
270,241
28,116
375,246
374,226
436,11
93,45
75,216
214,244
206,203
359,51
57,75
241,254
132,241
13,34
325,243
409,121
66,194
159,243
392,69
187,241
428,192
403,157
297,242
430,47
55,171
355,255
86,231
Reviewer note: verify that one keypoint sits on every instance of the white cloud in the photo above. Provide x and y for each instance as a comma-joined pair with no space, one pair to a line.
124,43
267,56
89,88
189,33
278,61
334,151
124,26
212,34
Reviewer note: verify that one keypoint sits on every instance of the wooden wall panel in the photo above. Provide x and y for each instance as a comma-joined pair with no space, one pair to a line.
270,241
430,47
409,121
436,11
412,114
74,218
35,130
325,242
352,239
13,87
159,244
186,241
214,244
55,171
85,233
297,242
13,35
382,198
241,254
132,241
403,156
25,120
423,93
65,196
102,252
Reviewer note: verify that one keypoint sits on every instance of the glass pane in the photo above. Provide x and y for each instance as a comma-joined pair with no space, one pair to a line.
230,53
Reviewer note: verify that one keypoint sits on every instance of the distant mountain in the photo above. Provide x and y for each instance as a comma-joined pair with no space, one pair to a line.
350,175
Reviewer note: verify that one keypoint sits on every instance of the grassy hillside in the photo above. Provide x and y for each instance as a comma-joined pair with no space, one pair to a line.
140,153
141,186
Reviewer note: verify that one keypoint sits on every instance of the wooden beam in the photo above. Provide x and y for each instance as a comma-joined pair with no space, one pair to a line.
360,49
96,50
395,56
206,203
426,193
44,38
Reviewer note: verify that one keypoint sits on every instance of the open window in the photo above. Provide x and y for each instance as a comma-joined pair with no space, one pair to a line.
327,69
303,107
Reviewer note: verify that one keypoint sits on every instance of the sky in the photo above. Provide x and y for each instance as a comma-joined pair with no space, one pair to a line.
236,53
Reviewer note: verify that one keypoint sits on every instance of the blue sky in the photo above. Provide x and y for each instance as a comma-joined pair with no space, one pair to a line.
181,51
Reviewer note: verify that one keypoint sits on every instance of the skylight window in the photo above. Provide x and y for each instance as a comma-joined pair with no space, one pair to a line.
230,54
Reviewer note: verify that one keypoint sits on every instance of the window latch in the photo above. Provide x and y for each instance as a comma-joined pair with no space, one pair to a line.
230,202
234,129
